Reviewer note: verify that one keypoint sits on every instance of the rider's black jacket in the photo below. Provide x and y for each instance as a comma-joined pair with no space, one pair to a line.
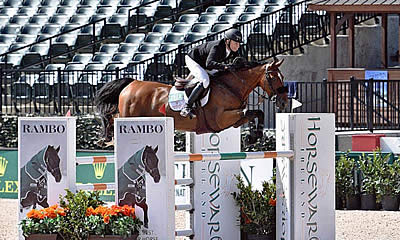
212,55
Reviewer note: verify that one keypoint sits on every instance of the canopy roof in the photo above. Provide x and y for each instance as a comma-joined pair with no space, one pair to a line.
356,6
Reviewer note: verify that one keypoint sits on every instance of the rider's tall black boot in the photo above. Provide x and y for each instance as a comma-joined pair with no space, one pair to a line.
196,93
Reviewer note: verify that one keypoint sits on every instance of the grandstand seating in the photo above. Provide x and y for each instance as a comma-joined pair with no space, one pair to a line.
23,22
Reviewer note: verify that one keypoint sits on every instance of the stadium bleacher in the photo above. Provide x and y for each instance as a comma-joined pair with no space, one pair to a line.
24,22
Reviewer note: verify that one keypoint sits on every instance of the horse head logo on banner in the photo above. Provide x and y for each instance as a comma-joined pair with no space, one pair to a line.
132,180
34,174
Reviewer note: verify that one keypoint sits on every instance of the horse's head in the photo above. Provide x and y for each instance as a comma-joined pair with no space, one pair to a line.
272,83
150,161
52,161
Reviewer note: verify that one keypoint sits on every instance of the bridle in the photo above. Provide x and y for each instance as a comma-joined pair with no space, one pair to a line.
151,170
46,161
268,83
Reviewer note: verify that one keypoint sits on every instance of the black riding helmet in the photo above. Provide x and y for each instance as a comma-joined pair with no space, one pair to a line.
233,34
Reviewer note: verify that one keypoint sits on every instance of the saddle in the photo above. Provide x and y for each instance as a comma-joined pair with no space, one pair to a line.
187,85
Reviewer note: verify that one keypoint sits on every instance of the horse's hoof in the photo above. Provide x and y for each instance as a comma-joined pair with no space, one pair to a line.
250,140
110,143
146,225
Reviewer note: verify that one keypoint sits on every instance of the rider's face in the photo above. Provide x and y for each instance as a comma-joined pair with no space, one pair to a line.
234,46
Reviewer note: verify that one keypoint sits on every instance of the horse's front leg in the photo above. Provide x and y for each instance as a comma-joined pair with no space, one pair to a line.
230,118
249,116
145,208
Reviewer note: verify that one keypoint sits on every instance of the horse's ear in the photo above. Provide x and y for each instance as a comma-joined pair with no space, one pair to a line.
156,149
279,63
58,148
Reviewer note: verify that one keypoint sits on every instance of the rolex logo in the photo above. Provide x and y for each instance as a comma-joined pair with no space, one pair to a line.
3,166
99,169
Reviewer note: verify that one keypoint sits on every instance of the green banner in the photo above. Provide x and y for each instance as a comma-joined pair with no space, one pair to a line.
89,173
9,174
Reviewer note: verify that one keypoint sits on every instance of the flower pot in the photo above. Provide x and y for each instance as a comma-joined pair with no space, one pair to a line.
41,237
260,237
390,202
353,202
368,202
339,202
113,237
246,236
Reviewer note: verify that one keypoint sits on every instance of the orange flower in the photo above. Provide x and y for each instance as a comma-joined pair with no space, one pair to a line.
133,215
32,213
272,202
247,220
60,211
106,218
90,211
100,210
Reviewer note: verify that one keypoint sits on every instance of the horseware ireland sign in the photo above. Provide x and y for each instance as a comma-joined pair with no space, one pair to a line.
46,160
306,185
145,172
216,214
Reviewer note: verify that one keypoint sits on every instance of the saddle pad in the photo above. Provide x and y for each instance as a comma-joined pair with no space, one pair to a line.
178,99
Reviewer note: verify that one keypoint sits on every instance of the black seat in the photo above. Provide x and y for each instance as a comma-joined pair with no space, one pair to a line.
41,92
32,60
21,92
158,72
258,44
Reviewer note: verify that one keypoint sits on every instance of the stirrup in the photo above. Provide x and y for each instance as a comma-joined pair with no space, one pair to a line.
187,112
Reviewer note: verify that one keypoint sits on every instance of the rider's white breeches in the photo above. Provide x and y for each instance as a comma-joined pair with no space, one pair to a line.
197,71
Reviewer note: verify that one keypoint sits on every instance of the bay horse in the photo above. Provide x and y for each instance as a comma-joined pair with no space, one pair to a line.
226,106
34,176
132,179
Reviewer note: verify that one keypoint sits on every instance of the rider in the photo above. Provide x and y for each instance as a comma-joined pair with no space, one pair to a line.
210,56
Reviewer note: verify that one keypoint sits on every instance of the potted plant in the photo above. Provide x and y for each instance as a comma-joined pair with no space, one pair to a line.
346,183
43,224
369,176
257,210
87,218
388,178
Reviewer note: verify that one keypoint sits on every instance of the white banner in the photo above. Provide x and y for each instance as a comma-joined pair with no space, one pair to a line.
216,216
46,160
145,172
306,185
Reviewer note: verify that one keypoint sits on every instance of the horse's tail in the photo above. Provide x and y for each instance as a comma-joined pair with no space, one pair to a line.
106,102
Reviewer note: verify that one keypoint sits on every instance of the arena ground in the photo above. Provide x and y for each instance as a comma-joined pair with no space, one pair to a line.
350,225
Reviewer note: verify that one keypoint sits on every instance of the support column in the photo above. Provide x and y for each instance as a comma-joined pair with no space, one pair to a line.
384,41
333,40
398,48
351,42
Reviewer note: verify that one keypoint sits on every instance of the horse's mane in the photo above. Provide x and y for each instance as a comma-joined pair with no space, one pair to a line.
238,66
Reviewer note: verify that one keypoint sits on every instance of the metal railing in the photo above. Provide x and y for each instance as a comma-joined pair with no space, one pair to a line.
271,34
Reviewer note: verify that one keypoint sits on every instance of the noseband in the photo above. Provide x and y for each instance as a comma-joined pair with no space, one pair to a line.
277,91
53,170
151,170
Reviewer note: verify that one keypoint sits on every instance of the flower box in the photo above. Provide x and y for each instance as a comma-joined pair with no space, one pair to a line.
113,237
41,237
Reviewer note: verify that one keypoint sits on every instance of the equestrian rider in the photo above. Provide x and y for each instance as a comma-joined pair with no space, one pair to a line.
210,56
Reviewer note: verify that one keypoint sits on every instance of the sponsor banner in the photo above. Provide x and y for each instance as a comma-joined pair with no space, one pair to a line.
145,172
216,215
46,160
306,185
182,193
255,171
9,174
